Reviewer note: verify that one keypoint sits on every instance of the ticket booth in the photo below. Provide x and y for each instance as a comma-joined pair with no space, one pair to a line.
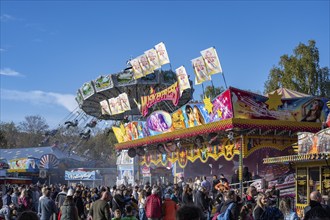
312,164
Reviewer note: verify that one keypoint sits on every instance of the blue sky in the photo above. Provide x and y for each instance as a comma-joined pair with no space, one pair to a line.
50,48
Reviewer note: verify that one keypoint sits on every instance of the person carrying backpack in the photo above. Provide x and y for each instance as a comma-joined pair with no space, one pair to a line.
229,209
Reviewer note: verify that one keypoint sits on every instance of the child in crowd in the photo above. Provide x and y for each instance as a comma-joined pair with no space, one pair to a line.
117,215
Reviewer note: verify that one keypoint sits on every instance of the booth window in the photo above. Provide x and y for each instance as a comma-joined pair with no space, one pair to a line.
302,185
314,179
325,183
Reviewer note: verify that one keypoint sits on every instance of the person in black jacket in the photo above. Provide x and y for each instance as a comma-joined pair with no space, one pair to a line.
261,206
119,201
201,201
187,196
215,182
79,204
189,212
315,208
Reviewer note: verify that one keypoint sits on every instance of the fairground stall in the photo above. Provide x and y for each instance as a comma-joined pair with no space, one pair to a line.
311,164
239,127
87,177
171,135
43,164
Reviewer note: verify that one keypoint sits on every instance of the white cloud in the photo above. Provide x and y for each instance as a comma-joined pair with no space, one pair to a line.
39,97
6,17
9,72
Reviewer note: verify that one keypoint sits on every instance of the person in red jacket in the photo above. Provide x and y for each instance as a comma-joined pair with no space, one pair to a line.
169,208
154,206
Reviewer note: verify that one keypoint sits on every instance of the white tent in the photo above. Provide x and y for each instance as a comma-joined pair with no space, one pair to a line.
288,93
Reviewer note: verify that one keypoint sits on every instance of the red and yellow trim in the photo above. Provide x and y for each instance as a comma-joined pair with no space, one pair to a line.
223,125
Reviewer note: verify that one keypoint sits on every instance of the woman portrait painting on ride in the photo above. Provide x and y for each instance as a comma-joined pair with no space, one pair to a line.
157,121
314,112
194,116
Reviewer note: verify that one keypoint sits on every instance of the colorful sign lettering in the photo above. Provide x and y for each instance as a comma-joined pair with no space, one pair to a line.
171,93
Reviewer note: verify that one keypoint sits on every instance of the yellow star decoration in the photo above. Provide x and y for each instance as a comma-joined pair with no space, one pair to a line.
219,113
208,105
181,118
119,133
274,100
122,129
182,154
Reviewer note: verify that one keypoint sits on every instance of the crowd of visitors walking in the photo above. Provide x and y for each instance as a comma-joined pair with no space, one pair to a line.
202,199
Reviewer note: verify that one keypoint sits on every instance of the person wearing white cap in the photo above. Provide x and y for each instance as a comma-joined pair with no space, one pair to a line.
69,210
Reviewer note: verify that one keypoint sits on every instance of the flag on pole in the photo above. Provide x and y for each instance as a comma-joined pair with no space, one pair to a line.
211,60
153,58
137,70
105,109
182,79
124,102
118,105
144,63
200,70
162,53
113,106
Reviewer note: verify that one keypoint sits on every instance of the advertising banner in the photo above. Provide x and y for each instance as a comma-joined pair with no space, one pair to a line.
24,165
80,175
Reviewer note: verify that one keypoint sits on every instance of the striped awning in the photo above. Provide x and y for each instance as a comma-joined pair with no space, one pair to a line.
297,158
288,93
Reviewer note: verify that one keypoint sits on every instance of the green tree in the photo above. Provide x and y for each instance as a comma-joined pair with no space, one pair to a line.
3,140
32,131
34,124
10,134
300,72
212,92
100,147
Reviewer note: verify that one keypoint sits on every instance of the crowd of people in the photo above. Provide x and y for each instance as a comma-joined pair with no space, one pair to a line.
202,199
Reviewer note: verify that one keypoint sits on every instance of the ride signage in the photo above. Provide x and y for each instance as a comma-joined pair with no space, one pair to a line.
171,93
80,175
